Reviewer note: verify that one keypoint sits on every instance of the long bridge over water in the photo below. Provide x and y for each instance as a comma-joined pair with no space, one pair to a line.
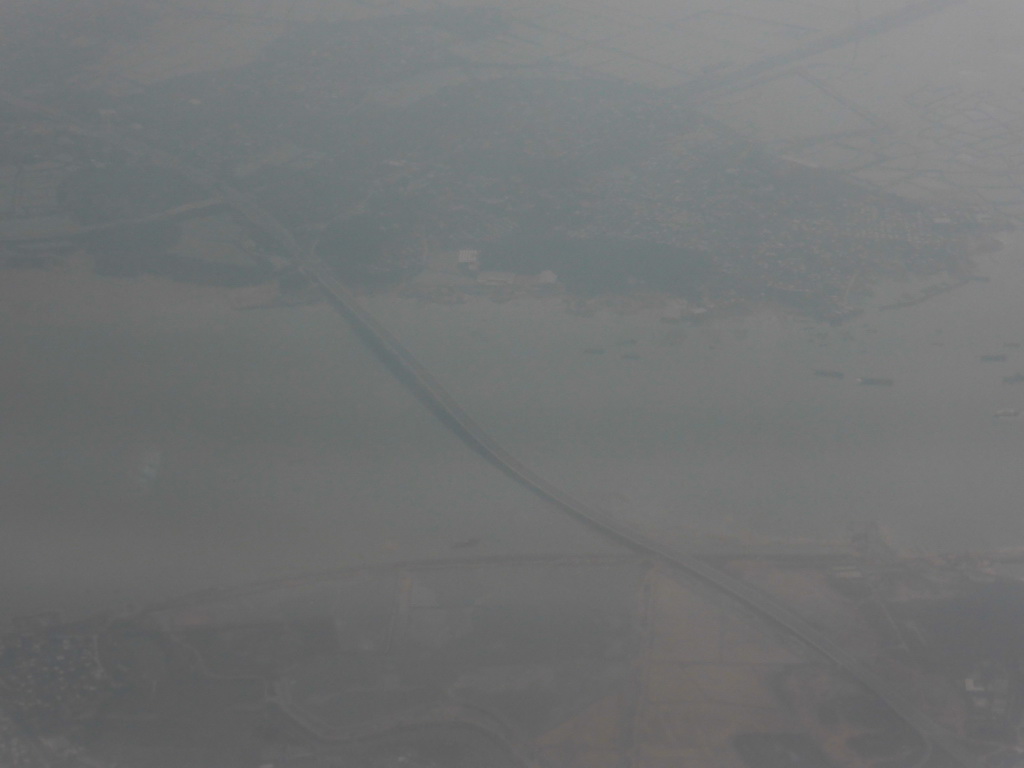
404,366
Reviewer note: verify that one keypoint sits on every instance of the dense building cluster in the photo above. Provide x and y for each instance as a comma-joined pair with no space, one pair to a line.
52,679
390,124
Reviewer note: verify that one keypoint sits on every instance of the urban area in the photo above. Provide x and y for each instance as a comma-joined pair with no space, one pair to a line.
423,174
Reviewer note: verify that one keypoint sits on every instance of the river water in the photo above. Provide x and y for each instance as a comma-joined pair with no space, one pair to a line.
723,427
158,439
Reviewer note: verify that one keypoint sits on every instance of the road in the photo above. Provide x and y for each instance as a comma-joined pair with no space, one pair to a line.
404,366
866,29
432,395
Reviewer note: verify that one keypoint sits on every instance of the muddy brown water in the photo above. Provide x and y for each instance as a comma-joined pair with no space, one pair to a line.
158,440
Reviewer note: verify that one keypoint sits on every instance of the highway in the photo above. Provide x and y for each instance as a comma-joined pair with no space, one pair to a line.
404,366
401,363
865,30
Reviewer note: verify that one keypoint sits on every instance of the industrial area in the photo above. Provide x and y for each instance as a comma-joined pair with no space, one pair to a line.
292,158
